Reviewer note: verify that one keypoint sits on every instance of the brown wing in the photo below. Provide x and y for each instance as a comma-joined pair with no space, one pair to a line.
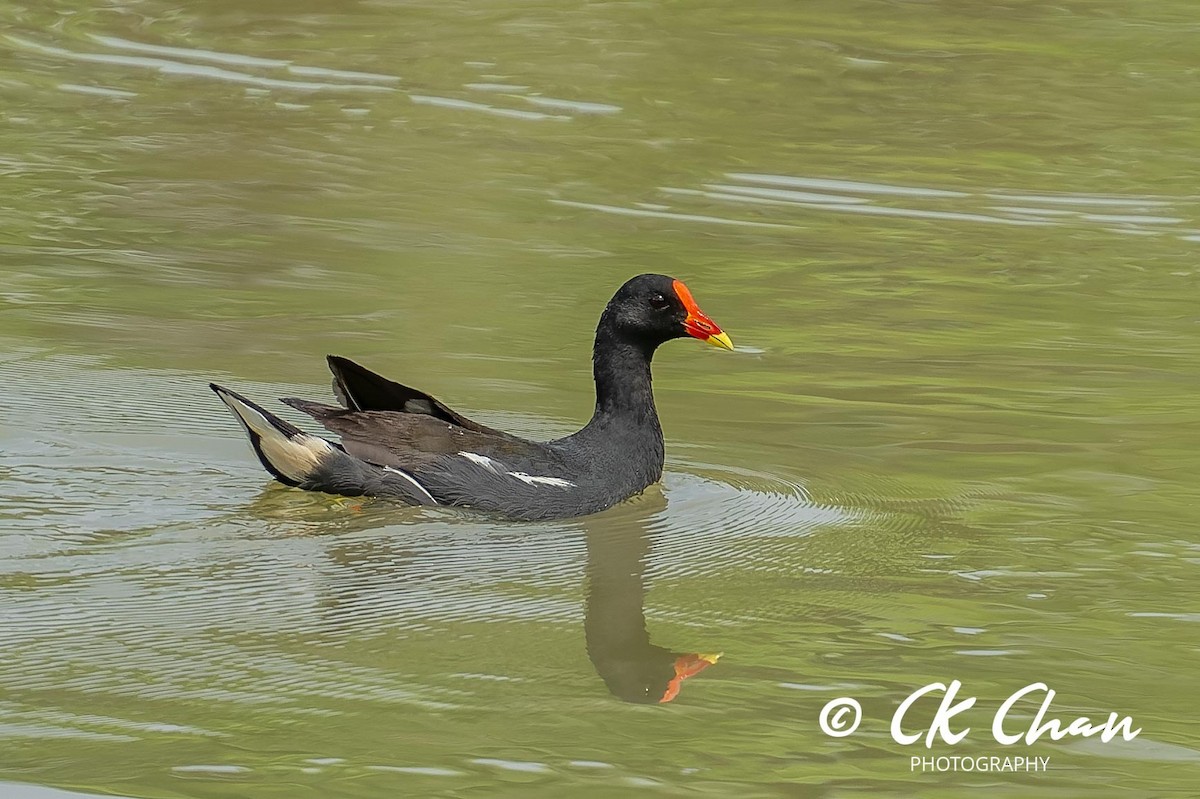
405,440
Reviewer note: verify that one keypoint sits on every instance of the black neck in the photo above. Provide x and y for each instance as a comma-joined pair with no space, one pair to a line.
623,435
622,371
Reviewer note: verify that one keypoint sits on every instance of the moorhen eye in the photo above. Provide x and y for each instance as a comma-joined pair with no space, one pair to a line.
658,302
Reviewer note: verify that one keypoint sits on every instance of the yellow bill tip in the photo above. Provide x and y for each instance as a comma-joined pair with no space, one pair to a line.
720,340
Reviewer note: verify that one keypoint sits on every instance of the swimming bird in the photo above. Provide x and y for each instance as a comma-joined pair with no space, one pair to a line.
401,443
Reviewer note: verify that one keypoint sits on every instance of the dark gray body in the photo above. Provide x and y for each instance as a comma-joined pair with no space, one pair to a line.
402,443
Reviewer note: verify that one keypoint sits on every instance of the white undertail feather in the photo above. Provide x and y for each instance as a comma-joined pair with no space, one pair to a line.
296,458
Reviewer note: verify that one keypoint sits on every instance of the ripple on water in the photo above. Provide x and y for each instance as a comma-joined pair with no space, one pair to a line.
783,201
171,66
264,75
721,519
20,790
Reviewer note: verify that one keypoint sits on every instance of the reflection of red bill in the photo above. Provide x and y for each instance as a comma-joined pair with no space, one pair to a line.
687,666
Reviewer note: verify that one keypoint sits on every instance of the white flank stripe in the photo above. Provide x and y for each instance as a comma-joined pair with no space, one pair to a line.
547,481
482,460
420,488
495,466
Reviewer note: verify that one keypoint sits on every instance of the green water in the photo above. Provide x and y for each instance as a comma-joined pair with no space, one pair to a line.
957,246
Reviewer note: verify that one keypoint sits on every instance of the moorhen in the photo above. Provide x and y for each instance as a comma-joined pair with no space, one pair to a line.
401,443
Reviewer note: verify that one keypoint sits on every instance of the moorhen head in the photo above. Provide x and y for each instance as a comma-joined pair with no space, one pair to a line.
650,310
401,443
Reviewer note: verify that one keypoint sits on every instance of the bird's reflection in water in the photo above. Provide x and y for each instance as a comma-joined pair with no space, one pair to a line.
618,544
614,623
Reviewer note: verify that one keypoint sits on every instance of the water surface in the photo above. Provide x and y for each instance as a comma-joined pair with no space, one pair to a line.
957,246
